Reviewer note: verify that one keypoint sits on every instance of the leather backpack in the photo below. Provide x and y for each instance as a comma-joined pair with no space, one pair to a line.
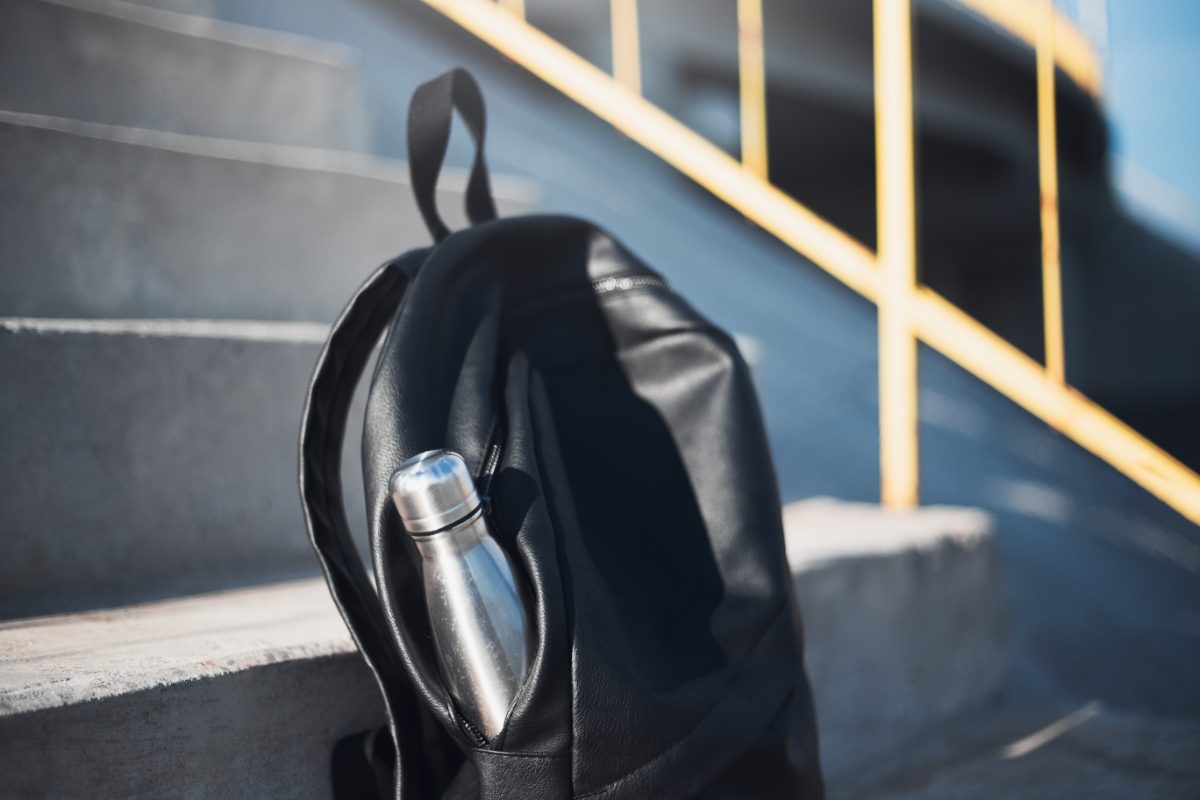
617,439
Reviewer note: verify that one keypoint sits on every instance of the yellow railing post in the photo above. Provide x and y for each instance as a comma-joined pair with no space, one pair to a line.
1048,184
752,92
626,51
896,225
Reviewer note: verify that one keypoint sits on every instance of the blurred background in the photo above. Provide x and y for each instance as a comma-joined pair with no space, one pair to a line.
194,188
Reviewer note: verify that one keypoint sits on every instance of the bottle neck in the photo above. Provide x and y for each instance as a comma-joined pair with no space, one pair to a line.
453,542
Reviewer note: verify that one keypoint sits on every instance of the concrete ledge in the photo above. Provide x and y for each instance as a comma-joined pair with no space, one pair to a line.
130,64
234,695
904,620
151,458
199,8
104,221
1044,751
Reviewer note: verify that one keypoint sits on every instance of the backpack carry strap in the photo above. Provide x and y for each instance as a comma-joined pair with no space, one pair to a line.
429,117
323,427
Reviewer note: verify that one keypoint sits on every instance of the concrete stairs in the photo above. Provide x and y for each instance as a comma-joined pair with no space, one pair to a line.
187,207
913,669
244,693
250,689
1037,752
129,64
192,226
146,458
167,293
237,694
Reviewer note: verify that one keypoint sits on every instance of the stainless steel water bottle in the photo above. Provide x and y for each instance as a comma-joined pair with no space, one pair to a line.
480,629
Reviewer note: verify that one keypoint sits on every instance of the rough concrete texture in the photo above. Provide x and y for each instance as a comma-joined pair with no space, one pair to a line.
165,225
243,694
904,620
235,695
1084,751
143,459
130,64
78,658
202,8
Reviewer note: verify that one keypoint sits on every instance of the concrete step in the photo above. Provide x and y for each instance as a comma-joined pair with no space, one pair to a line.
902,624
130,64
904,618
234,695
149,458
197,691
908,649
102,221
1044,751
199,8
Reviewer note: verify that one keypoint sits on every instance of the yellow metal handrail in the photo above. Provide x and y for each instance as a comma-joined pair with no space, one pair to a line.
907,311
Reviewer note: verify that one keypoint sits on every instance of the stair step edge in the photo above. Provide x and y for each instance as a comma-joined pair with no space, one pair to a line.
265,39
69,659
317,159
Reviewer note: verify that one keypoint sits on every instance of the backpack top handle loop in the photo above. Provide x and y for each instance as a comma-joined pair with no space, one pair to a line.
429,118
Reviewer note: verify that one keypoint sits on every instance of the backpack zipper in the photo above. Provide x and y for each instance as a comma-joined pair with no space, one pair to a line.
491,462
474,732
601,286
495,447
625,283
483,481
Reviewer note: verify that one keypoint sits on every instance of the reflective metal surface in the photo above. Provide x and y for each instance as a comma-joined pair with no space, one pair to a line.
433,490
475,610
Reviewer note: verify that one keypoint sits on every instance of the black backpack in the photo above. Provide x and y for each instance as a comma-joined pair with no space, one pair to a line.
616,437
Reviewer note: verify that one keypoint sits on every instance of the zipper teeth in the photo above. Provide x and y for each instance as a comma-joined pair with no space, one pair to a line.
621,283
490,464
598,287
493,459
476,734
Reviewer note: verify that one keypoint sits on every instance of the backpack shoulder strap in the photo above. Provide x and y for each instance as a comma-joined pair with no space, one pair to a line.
323,428
429,116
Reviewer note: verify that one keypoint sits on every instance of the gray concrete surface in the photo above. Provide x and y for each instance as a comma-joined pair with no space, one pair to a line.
234,695
79,658
117,222
129,64
200,8
1081,751
243,693
147,459
903,633
904,620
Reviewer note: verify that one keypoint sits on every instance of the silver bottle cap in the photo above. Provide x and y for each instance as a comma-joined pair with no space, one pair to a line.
432,490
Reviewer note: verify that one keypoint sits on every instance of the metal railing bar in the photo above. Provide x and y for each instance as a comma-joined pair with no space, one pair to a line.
752,94
626,48
1052,310
896,219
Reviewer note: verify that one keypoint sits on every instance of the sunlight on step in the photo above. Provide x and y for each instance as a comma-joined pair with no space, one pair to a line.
1023,747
